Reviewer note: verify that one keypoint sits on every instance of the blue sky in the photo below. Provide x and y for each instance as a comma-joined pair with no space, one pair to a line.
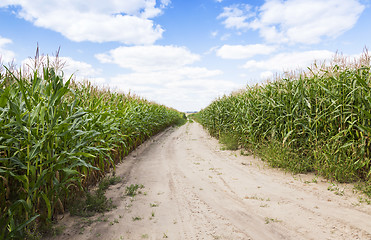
182,53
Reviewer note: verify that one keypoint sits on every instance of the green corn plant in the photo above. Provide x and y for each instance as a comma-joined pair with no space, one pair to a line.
57,137
317,120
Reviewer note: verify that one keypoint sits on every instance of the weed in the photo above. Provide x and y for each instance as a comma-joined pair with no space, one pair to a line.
153,204
268,220
136,218
365,200
132,189
364,187
336,190
88,203
108,181
230,141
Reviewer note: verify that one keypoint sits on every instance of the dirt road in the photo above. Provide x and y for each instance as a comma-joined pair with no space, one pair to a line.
195,190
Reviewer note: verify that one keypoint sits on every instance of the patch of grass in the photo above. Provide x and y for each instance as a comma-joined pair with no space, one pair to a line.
132,189
364,187
365,200
136,218
269,220
114,221
194,117
153,204
181,121
230,141
87,204
336,190
58,230
280,156
258,198
108,181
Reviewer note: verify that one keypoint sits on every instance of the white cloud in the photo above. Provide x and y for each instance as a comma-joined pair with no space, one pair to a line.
81,70
214,33
296,21
95,20
225,37
149,58
166,75
236,16
266,75
244,51
165,3
186,88
5,54
290,61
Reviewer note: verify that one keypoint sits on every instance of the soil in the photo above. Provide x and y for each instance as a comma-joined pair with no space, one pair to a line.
195,190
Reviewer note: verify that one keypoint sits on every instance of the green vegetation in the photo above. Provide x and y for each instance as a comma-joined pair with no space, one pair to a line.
132,189
318,121
57,137
136,218
229,140
86,204
181,121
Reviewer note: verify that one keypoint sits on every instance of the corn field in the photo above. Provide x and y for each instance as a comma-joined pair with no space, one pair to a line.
57,137
318,120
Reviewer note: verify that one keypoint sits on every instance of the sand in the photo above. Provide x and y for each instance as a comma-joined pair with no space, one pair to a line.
195,190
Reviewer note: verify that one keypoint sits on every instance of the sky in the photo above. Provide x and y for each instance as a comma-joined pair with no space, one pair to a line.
182,53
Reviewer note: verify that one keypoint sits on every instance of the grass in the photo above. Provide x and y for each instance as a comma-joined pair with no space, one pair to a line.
269,220
153,204
87,204
230,141
132,190
314,121
365,188
58,137
181,121
136,218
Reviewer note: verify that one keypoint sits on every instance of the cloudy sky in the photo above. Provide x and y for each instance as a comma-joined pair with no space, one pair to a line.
183,53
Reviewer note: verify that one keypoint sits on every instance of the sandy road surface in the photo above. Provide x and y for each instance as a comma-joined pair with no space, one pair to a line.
194,190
